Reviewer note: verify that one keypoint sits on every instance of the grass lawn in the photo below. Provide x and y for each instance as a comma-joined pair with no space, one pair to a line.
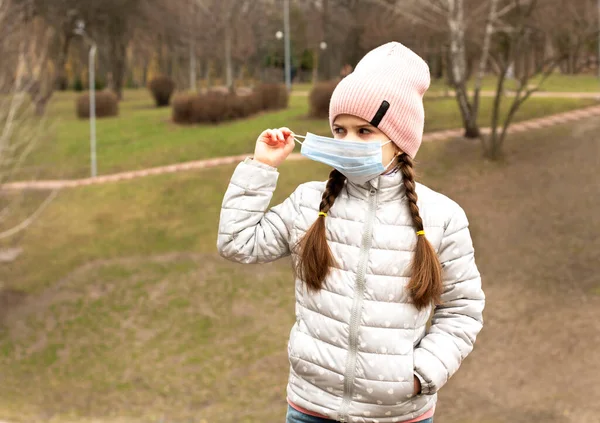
125,310
144,136
555,83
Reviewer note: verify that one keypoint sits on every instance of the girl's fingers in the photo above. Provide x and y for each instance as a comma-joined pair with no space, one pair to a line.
271,137
277,137
280,136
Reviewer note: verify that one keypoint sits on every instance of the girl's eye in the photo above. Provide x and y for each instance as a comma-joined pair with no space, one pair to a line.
365,131
338,130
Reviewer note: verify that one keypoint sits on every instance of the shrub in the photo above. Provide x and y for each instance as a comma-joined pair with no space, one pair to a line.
319,99
218,105
213,107
77,85
99,84
245,105
162,88
182,108
273,96
62,83
107,104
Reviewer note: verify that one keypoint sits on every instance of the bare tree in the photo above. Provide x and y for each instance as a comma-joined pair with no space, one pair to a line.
524,27
510,31
39,79
20,128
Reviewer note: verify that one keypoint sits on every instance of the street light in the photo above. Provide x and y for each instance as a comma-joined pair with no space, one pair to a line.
323,45
288,72
599,39
80,30
288,58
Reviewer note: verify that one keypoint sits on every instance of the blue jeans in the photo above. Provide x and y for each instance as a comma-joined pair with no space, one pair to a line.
295,416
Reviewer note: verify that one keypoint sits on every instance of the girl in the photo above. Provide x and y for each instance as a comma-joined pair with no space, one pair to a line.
374,252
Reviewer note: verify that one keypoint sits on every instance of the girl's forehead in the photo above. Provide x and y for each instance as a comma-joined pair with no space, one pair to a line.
349,120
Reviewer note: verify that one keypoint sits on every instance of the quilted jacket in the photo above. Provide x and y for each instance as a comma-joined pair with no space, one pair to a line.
357,344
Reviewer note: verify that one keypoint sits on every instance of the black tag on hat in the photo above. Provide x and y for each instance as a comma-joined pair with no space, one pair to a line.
380,113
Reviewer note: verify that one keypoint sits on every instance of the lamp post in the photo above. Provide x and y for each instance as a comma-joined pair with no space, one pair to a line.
80,30
315,71
288,58
599,39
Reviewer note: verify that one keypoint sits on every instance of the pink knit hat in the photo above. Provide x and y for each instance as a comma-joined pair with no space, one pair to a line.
386,89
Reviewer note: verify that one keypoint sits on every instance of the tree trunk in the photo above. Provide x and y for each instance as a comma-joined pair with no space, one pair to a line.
40,107
459,64
228,61
327,63
62,61
118,65
315,70
469,118
471,127
207,74
193,77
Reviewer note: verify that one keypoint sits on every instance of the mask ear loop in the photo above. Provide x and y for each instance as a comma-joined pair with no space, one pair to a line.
299,136
398,154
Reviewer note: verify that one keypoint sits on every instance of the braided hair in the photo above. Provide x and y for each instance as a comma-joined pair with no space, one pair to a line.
315,257
425,284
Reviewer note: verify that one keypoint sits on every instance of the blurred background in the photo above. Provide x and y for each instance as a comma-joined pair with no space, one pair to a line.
121,122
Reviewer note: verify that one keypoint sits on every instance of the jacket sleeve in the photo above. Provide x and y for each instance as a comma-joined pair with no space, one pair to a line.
248,233
458,320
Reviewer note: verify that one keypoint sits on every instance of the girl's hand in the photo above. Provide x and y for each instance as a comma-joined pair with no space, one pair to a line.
273,146
417,387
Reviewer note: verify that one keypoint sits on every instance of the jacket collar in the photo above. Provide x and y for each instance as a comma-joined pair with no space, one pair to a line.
388,187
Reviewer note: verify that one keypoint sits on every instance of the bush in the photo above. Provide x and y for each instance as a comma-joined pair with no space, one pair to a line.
62,83
213,107
107,104
273,96
319,99
182,108
245,105
162,87
77,85
99,84
218,105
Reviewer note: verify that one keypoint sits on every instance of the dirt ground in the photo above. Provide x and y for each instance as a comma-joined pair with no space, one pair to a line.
535,221
536,229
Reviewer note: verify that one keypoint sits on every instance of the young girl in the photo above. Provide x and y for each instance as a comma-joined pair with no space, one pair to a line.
375,253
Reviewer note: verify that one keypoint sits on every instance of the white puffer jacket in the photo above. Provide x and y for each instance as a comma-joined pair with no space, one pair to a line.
357,344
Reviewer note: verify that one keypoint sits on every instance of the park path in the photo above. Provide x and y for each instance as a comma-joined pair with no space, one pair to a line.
542,122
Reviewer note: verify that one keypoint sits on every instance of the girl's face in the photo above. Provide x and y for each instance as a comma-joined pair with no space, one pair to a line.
352,128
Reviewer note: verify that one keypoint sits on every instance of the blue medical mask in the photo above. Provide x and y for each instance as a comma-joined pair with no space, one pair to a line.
358,161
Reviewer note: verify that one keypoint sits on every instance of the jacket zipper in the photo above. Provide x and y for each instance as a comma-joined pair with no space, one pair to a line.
350,371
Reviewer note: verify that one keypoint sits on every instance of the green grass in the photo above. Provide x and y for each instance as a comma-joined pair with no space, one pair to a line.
554,83
132,314
132,311
302,87
143,136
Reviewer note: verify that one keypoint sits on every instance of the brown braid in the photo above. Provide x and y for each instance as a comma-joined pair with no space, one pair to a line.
315,257
334,186
406,165
425,285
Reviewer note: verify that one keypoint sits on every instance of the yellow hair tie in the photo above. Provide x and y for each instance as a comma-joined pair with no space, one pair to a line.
323,214
421,233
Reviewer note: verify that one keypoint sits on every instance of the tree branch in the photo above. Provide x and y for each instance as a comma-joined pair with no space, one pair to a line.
27,222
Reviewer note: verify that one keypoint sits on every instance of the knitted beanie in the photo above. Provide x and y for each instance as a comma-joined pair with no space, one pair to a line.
386,89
